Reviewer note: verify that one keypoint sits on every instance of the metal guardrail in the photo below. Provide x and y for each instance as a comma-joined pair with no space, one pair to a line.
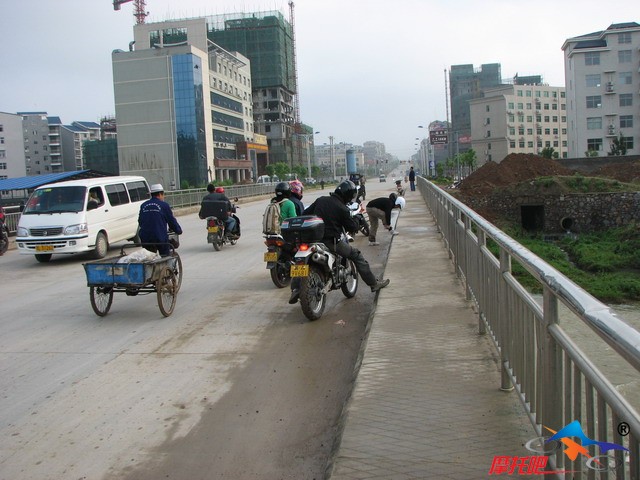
555,380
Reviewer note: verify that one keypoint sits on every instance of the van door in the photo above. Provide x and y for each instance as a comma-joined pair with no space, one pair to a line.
121,212
97,213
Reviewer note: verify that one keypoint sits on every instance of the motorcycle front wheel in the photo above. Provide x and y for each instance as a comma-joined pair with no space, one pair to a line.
364,227
280,275
312,298
350,286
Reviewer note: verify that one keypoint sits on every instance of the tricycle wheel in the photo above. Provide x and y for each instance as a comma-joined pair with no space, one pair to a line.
166,286
101,299
177,269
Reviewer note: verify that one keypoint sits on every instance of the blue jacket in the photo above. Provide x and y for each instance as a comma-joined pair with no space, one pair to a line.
153,219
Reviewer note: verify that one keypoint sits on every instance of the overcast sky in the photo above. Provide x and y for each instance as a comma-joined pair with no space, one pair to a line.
368,69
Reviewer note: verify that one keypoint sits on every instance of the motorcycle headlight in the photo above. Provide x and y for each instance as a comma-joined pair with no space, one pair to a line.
22,232
76,229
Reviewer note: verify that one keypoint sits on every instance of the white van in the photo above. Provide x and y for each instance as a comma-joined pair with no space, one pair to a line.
81,216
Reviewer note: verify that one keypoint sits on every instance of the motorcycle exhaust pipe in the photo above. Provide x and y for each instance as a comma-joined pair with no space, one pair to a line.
316,257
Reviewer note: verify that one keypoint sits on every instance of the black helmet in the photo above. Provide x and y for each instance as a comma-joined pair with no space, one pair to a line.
211,188
283,190
347,191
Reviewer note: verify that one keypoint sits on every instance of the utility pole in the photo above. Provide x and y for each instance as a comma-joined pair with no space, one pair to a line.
331,156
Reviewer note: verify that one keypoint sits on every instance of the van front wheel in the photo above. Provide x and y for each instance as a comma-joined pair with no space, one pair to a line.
102,246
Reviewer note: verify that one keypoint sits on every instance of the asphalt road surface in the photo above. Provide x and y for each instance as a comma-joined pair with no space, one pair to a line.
236,384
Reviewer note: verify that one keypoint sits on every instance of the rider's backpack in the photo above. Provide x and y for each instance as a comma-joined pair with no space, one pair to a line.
271,219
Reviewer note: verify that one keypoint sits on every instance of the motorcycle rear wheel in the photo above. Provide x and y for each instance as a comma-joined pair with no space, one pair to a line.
350,287
217,241
311,298
280,275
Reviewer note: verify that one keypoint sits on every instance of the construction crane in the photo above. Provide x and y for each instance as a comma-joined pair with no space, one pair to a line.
296,95
140,9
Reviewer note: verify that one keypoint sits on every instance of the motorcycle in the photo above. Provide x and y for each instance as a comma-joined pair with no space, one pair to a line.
278,257
217,234
4,235
358,214
320,270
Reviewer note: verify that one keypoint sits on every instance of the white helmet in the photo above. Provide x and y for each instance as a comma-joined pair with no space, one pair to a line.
401,201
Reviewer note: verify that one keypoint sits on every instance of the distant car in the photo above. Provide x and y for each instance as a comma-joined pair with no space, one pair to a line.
383,178
310,181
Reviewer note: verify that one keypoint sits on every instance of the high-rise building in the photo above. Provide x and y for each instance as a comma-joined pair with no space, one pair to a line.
266,39
42,147
183,104
602,82
12,156
467,83
519,118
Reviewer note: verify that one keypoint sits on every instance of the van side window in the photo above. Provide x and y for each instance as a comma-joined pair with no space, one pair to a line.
138,191
96,197
117,194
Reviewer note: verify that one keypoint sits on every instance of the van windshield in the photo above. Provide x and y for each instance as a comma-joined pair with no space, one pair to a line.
56,200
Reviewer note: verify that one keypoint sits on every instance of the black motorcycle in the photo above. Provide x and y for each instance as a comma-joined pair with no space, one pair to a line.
215,213
359,216
278,257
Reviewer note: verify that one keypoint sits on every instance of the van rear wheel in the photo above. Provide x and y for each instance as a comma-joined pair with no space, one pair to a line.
102,246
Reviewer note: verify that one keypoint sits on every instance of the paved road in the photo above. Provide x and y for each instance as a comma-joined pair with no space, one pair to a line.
235,384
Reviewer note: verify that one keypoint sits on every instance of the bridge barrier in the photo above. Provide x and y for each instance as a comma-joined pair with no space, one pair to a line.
555,380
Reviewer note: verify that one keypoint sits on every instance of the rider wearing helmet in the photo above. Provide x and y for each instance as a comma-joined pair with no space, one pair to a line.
296,195
216,194
337,218
379,210
283,197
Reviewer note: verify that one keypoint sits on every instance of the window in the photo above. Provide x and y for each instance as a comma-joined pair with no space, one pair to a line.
137,191
628,142
539,131
519,93
3,154
624,78
528,106
592,58
488,133
530,144
545,94
488,108
555,119
555,131
546,119
512,144
117,194
3,165
626,121
528,93
547,131
594,144
511,118
520,130
529,118
624,37
529,131
538,93
594,123
520,106
594,101
624,56
510,107
521,143
546,106
488,122
626,99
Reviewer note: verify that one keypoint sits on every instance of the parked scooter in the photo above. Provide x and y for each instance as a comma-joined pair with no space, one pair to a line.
278,257
320,270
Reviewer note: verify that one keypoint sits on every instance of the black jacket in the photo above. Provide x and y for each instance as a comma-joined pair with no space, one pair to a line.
335,215
385,204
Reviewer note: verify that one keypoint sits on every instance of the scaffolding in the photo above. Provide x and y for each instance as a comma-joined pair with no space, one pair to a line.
264,37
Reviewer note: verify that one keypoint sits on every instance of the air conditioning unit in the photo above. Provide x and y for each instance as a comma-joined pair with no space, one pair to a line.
609,87
612,129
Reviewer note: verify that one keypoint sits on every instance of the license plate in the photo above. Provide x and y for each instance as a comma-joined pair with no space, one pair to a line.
270,256
212,229
299,270
44,248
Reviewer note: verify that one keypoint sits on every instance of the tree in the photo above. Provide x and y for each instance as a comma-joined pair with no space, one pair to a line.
591,153
281,169
548,152
618,146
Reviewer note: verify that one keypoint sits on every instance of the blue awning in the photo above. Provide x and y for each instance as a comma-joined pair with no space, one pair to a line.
35,181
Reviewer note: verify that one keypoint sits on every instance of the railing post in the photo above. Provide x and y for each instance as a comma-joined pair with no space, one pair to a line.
551,356
507,342
481,298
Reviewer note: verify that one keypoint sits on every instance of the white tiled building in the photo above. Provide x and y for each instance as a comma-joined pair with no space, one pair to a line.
12,156
602,72
518,119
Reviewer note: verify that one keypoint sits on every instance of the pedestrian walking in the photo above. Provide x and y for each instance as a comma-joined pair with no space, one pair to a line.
379,210
412,179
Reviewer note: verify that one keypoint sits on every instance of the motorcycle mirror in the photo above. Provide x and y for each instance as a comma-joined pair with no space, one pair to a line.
235,199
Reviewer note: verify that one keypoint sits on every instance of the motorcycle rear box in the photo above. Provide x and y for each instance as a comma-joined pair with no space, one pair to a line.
303,229
214,208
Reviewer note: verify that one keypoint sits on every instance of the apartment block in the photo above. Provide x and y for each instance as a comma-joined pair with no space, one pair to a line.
12,157
42,143
73,138
518,118
602,74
